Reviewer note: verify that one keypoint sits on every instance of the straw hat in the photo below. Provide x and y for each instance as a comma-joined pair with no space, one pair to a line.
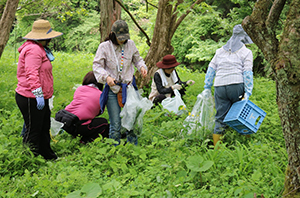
169,61
41,30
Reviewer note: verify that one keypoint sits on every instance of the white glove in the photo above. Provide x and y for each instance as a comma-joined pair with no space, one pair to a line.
246,96
190,82
177,86
206,93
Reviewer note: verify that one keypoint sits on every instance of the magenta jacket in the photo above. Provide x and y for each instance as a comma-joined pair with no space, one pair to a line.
34,70
85,104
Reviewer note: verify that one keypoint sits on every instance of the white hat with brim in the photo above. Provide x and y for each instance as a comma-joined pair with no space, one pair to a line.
41,30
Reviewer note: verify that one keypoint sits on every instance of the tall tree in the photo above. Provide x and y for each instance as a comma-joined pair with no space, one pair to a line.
167,21
110,12
283,56
6,22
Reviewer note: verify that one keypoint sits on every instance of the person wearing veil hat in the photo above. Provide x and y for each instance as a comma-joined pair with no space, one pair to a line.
35,87
231,71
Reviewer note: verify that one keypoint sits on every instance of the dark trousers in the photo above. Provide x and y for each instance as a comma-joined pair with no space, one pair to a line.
225,96
89,132
37,122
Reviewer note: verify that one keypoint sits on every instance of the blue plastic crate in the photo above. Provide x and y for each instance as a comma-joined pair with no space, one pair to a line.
244,117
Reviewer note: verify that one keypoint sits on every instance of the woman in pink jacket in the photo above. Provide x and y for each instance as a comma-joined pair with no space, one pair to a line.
85,105
35,87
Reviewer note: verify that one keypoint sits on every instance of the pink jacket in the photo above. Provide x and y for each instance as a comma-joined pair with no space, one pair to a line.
86,103
34,70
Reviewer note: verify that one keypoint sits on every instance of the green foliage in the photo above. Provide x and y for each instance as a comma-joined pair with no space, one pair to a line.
203,51
84,37
205,29
208,28
163,164
198,37
88,190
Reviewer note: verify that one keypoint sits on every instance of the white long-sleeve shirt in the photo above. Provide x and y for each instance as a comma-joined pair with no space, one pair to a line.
229,66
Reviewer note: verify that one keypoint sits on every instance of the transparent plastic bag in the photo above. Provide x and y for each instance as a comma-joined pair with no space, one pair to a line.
200,122
55,127
174,104
134,110
51,102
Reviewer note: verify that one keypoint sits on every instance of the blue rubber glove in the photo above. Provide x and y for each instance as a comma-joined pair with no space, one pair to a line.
40,102
209,78
248,83
39,96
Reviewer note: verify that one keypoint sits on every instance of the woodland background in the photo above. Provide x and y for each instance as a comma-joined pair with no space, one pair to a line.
204,30
166,163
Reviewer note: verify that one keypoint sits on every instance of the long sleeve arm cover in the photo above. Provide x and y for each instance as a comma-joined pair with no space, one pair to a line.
209,78
248,83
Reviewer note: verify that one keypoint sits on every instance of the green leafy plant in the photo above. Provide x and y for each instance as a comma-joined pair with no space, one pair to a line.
91,190
164,164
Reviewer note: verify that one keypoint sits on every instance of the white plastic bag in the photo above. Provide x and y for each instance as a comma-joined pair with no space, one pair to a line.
174,104
55,127
134,109
201,119
51,102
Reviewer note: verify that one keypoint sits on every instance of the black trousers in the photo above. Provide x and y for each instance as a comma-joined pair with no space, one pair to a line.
89,132
37,135
159,98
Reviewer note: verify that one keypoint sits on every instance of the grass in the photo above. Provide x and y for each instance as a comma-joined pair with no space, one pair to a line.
163,164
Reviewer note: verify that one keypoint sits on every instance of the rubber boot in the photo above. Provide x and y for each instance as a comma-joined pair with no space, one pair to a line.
217,138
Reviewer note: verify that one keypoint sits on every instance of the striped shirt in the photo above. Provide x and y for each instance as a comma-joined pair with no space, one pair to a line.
229,66
109,56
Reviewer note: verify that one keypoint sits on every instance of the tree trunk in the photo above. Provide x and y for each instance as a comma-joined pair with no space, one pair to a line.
6,22
285,63
110,12
288,96
161,40
165,27
1,9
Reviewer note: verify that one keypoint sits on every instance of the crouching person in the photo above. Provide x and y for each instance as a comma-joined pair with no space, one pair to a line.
166,79
79,117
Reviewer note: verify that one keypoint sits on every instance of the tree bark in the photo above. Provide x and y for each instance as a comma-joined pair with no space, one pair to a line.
165,26
110,12
1,9
6,22
284,59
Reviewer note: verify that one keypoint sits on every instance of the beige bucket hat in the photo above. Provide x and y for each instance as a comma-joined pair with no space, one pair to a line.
41,30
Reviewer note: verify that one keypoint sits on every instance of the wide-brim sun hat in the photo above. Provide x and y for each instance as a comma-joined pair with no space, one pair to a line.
121,30
41,30
169,61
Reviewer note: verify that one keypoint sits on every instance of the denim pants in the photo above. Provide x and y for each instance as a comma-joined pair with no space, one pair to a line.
225,96
114,111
